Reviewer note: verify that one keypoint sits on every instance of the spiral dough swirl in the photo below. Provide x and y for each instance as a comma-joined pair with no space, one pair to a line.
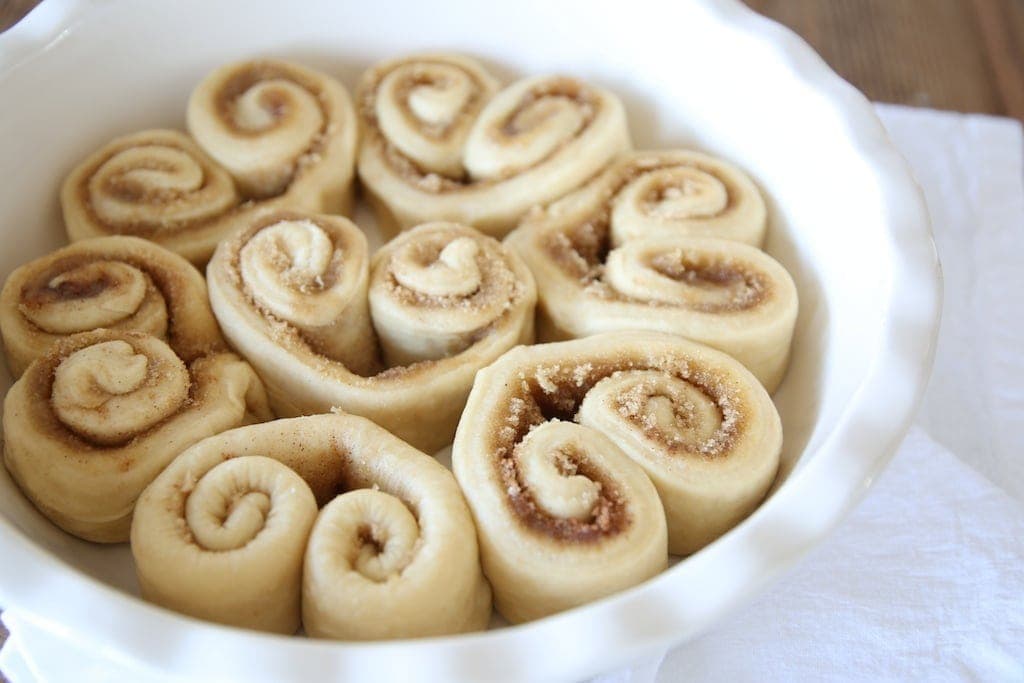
155,184
264,120
310,272
682,193
709,441
564,515
442,142
113,282
426,109
94,420
270,134
223,540
436,289
293,293
230,532
630,250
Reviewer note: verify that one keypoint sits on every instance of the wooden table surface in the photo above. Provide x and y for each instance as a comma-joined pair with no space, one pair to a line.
962,55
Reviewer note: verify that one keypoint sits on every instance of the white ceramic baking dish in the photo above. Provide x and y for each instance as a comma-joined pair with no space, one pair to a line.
846,220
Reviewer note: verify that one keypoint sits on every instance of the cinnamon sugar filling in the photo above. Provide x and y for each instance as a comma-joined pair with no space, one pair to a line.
38,294
746,287
581,250
609,516
584,246
555,392
131,192
402,165
239,82
632,405
560,87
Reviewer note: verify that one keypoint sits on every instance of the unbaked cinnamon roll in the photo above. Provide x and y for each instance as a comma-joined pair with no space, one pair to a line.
702,427
112,282
670,193
565,510
271,134
441,142
563,515
722,293
222,534
445,301
278,128
92,422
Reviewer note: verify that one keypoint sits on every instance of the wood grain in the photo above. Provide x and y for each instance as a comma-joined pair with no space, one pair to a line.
965,55
1002,26
11,11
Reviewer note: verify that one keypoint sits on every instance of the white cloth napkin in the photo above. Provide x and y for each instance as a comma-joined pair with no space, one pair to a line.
925,580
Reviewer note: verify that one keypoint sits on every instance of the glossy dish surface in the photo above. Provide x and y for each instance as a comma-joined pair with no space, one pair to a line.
845,218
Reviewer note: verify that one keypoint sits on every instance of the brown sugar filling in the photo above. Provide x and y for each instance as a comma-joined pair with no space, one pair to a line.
239,82
609,515
638,167
746,288
590,237
39,293
632,403
401,164
581,250
279,330
235,86
555,392
497,279
171,285
560,87
128,190
547,394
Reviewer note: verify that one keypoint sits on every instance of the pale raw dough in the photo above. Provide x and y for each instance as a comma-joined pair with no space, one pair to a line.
220,536
393,553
